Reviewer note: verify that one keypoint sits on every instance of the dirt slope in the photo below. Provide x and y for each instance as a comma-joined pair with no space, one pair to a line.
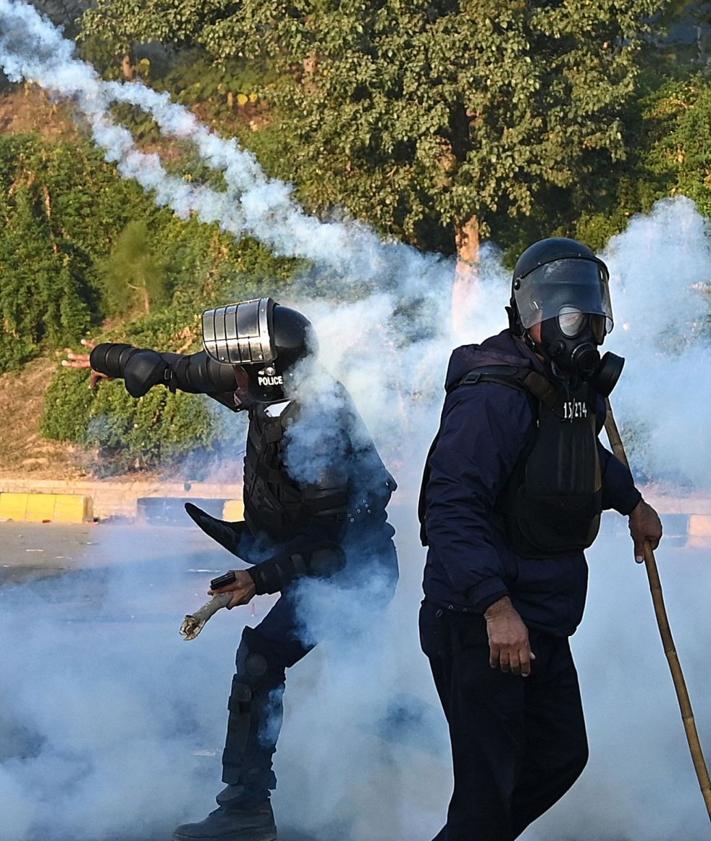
26,108
22,449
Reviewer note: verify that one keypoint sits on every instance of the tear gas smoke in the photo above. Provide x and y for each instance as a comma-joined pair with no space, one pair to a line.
661,267
98,729
33,49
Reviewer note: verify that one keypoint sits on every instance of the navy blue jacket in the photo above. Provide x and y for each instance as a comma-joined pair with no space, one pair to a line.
483,431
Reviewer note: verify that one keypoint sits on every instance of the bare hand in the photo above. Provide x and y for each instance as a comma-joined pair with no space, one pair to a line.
645,527
82,360
243,588
509,649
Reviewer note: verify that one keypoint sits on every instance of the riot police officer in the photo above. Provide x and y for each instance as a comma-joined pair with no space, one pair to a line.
328,522
514,486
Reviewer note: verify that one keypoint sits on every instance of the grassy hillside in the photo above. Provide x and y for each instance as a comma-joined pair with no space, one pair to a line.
85,254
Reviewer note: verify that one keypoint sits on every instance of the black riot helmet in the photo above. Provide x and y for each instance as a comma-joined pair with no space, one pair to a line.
560,284
262,341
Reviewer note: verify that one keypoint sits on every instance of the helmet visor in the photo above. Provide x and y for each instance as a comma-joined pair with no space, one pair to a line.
563,289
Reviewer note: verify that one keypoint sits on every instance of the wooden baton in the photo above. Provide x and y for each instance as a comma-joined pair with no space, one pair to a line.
655,585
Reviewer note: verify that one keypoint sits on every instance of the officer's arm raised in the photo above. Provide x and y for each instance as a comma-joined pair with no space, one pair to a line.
142,368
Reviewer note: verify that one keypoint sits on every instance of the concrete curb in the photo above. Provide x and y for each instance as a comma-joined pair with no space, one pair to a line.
686,520
171,509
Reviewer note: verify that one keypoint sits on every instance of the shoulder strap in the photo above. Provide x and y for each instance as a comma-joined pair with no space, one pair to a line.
526,380
501,374
522,379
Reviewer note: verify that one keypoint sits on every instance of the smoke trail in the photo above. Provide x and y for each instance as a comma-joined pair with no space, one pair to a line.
31,48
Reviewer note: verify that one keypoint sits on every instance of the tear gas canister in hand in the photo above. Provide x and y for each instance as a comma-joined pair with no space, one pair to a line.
195,622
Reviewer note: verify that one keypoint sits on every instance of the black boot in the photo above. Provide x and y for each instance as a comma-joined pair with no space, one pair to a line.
254,823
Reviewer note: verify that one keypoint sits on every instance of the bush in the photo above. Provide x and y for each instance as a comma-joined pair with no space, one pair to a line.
156,430
60,208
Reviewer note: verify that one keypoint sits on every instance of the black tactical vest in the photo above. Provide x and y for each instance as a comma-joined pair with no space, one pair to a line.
273,502
552,502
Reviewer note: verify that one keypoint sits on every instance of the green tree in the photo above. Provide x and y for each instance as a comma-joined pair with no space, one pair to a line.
61,208
43,294
451,113
121,26
678,157
133,276
667,133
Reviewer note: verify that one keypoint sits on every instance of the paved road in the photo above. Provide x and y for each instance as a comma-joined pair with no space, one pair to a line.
52,547
71,564
127,587
121,586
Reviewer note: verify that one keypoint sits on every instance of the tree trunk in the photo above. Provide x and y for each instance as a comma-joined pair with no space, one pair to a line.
466,274
310,63
48,213
128,66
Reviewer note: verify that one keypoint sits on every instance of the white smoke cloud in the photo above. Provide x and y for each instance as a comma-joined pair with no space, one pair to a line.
661,269
98,731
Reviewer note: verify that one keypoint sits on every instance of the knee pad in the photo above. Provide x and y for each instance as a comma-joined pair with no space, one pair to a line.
255,667
247,751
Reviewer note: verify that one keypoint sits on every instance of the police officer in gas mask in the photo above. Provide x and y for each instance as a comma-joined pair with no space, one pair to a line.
514,486
328,522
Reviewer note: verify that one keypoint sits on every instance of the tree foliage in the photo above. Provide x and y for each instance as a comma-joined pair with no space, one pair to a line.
122,25
134,276
678,120
61,208
450,112
44,295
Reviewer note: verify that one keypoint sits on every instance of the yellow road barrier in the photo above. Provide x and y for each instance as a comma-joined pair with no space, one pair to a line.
700,525
233,510
38,508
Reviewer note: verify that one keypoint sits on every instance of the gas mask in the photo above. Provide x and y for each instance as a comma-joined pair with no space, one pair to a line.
570,343
261,340
560,284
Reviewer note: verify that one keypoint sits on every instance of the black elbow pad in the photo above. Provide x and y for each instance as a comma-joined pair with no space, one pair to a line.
143,370
273,575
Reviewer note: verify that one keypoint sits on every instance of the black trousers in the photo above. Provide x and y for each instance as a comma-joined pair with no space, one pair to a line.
263,657
518,744
255,704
